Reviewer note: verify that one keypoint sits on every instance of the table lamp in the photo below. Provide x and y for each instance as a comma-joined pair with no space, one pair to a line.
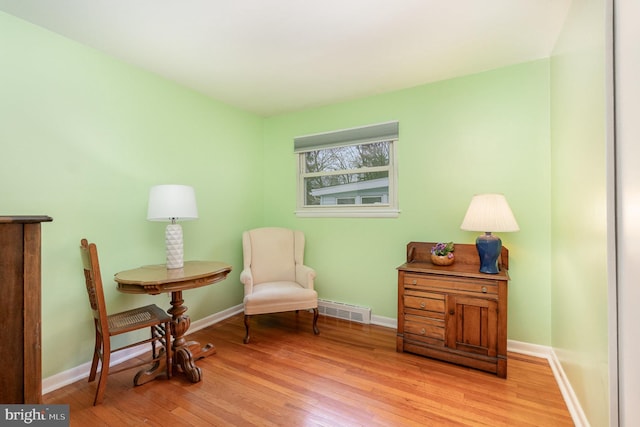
489,213
172,203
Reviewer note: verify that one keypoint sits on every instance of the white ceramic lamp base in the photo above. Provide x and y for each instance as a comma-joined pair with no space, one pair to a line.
175,251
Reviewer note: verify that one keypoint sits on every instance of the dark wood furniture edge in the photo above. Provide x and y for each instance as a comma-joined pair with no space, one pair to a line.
24,219
25,302
465,254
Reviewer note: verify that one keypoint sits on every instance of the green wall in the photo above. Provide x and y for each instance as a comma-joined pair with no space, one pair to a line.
83,139
579,207
84,136
486,132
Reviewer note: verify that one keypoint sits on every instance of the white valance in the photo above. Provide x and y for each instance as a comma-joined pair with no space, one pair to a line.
354,136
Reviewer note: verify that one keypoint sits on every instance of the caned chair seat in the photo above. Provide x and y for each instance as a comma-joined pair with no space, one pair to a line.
137,318
108,325
274,276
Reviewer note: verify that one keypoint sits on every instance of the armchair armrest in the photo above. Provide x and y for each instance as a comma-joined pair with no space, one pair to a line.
247,279
305,276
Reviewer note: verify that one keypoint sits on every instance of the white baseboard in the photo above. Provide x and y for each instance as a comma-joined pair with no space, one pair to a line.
528,349
570,398
80,372
388,322
573,404
215,318
535,350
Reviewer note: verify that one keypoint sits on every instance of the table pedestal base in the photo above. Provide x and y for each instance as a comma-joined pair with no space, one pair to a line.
186,356
185,353
158,368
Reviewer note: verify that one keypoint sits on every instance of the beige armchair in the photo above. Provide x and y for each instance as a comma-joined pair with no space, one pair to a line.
274,276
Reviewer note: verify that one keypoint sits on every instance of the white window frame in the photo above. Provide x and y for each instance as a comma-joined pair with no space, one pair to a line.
377,210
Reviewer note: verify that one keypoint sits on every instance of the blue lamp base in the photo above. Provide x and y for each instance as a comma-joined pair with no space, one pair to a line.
489,248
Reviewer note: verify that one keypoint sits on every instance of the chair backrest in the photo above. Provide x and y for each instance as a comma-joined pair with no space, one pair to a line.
93,280
272,253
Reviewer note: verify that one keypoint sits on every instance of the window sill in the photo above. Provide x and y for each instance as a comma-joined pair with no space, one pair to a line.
348,213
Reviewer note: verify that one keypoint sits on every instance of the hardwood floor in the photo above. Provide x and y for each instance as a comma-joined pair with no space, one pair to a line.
349,375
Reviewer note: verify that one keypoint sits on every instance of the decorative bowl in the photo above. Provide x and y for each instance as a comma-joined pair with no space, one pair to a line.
442,259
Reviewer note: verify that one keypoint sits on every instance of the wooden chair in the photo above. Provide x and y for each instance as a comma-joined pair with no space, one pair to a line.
106,326
274,276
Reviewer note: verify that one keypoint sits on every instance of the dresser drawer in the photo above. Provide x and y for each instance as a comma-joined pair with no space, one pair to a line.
444,284
425,301
424,329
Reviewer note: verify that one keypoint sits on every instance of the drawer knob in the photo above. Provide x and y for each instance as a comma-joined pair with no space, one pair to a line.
484,289
422,331
452,312
415,282
423,305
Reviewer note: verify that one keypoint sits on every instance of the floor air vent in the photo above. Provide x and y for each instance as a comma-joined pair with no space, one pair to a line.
344,311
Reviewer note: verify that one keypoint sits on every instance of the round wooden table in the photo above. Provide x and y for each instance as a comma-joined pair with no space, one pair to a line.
157,279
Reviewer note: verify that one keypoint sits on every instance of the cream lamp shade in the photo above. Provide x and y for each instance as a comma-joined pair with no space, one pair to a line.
489,213
173,203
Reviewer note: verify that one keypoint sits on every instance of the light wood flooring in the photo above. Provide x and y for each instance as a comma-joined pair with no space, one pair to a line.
349,375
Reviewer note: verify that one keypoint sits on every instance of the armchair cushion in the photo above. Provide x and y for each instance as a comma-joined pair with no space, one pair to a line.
274,297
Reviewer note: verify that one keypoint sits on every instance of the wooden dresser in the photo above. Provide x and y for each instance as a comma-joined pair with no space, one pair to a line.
453,313
21,373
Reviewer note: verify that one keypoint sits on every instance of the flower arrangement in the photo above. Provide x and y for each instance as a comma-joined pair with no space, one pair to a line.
443,249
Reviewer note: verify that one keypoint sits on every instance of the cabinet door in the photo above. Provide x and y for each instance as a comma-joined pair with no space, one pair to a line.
472,325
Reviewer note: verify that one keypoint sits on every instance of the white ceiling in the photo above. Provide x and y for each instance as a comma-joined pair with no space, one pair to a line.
274,56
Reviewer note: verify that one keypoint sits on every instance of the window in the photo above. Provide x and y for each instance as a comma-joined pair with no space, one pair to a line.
371,200
350,172
346,201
